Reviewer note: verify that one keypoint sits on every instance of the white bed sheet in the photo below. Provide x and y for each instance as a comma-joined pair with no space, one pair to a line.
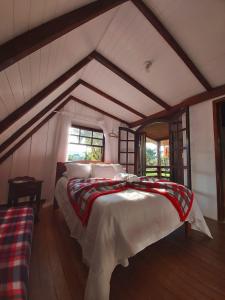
121,225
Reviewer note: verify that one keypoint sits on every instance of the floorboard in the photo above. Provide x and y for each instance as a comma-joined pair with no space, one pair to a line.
171,269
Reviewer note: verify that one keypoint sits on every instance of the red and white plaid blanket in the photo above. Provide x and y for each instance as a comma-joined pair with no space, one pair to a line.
16,226
83,192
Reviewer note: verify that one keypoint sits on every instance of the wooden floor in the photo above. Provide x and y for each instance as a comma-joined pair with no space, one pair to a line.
173,268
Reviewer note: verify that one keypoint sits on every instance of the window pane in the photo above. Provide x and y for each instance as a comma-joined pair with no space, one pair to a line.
94,153
85,140
76,152
74,130
97,142
86,133
73,139
151,153
98,135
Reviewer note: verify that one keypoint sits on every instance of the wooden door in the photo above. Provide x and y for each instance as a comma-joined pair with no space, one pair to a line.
126,149
140,153
180,160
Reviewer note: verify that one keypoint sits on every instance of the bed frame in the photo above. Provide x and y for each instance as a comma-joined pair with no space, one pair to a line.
61,168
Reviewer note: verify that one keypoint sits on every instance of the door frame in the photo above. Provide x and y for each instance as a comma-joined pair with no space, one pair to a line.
218,158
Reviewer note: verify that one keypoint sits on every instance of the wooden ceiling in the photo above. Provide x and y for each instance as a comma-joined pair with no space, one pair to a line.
96,52
157,131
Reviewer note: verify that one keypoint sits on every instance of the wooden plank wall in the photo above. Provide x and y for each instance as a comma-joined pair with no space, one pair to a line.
34,158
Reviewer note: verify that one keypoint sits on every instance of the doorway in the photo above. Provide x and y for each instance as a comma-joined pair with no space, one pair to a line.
219,136
157,150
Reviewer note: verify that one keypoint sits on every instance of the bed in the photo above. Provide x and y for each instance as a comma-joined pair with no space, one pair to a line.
120,225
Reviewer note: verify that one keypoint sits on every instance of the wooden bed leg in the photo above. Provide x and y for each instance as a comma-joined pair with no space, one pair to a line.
187,229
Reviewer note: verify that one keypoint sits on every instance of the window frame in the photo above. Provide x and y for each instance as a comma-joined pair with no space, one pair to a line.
92,138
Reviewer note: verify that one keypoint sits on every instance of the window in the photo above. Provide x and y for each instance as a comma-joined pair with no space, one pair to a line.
85,144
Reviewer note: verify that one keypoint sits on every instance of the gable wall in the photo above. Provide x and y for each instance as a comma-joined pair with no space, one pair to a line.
37,157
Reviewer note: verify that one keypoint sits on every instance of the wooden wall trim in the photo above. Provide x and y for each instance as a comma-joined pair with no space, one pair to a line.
36,38
27,125
109,65
97,109
213,93
22,110
110,98
218,160
34,130
151,17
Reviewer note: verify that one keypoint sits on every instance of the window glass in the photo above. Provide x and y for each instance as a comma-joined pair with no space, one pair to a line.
85,144
86,133
98,135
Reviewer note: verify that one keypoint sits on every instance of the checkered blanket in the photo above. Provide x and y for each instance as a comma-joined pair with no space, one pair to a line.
16,225
83,192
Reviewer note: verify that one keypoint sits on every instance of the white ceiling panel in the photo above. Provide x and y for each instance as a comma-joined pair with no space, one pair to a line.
130,41
33,112
32,74
98,101
199,27
18,16
105,80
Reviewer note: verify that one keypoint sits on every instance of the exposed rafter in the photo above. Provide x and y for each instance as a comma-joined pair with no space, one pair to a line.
151,17
108,64
110,98
97,109
213,93
36,38
37,117
35,129
22,110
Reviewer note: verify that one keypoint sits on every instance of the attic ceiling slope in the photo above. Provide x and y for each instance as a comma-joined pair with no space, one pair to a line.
155,22
97,109
22,110
115,69
34,39
35,129
103,94
26,126
213,93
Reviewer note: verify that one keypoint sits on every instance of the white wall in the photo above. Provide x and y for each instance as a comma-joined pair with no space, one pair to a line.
34,158
203,157
37,157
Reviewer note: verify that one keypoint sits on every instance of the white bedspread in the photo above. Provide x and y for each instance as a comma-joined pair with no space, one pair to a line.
121,225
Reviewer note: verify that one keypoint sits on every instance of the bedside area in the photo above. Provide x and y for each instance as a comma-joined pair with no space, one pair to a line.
20,187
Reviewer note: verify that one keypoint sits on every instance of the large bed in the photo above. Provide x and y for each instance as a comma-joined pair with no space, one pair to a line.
120,225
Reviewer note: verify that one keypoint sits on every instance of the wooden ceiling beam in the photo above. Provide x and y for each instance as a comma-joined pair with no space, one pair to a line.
109,65
155,22
36,118
33,131
22,110
213,93
110,98
36,38
97,109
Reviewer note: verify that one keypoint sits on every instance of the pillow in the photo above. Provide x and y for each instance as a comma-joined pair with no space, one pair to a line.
103,171
118,168
77,170
127,177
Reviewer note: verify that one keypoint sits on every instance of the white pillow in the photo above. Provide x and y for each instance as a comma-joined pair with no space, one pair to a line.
118,168
103,171
127,177
77,170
